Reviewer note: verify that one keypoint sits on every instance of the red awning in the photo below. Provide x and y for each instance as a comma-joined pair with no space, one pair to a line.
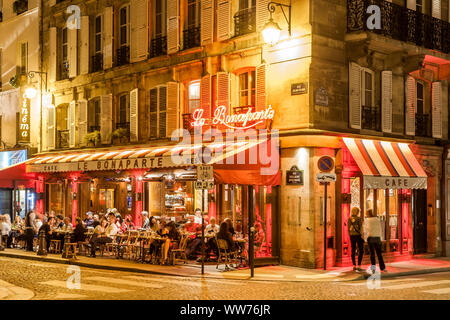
17,175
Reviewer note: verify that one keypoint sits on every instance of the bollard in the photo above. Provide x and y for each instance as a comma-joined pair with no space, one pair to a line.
65,253
42,244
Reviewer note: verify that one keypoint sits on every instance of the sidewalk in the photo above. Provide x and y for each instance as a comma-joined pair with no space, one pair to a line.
269,273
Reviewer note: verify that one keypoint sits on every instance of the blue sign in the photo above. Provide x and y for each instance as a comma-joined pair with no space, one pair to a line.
10,158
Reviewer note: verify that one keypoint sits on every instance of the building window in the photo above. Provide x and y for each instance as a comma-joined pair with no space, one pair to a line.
193,96
420,97
419,6
123,112
123,52
368,96
370,114
159,40
97,59
193,17
94,115
158,112
245,18
247,88
64,55
191,34
62,127
98,34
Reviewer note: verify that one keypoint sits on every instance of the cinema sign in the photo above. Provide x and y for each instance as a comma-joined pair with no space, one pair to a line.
105,165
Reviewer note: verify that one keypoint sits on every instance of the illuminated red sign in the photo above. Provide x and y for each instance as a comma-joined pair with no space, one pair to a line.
243,120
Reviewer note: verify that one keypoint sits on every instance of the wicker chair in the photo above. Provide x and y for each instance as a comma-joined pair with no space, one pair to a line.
181,251
225,254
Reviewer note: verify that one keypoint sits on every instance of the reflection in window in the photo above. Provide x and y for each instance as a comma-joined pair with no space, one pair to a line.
194,96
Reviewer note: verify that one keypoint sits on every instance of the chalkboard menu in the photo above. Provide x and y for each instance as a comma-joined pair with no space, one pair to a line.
294,177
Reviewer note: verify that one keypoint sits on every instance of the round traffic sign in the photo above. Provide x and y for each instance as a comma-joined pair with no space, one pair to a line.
325,164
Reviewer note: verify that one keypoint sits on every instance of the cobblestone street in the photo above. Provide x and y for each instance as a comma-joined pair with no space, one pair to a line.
49,281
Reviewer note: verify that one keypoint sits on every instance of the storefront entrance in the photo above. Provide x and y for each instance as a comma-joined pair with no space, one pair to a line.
420,221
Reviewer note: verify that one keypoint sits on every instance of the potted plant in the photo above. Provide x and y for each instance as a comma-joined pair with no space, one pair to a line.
92,139
119,136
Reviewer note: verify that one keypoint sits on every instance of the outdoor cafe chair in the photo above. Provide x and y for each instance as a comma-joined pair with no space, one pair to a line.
181,251
225,254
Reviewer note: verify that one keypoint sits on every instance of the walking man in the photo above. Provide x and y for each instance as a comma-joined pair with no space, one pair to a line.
355,231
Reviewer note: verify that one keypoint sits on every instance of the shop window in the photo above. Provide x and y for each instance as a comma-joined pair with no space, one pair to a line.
55,200
94,115
123,112
247,88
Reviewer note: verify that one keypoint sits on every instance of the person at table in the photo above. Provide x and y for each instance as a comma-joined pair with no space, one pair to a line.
67,227
225,234
127,224
16,231
163,232
145,220
171,235
195,240
89,221
154,224
210,232
5,227
110,231
47,228
230,226
198,216
59,221
79,233
96,221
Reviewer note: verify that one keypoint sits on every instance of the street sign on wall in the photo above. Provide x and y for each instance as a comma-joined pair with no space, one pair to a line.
326,177
325,164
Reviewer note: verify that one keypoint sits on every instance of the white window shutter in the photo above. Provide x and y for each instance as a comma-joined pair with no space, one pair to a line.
262,13
139,30
51,128
52,63
223,19
207,22
260,87
205,96
386,101
173,37
134,115
436,116
411,4
355,96
82,121
108,32
411,101
84,45
173,107
106,118
72,124
436,8
72,39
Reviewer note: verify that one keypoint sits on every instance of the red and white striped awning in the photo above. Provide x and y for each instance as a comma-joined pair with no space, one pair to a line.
387,165
170,156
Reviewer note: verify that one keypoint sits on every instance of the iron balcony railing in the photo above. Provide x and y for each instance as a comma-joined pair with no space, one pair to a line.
63,139
191,38
370,118
20,6
158,47
422,125
94,128
123,56
97,62
245,21
401,23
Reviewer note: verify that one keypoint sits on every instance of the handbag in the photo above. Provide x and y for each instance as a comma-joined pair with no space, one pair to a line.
374,240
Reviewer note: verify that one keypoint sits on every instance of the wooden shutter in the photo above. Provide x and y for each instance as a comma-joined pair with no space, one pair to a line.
84,45
411,101
436,116
386,101
154,113
355,96
108,28
436,8
51,128
223,19
205,96
134,112
106,118
207,22
162,112
82,121
173,37
260,87
44,143
262,13
173,109
52,63
72,124
139,30
51,3
411,4
223,94
72,40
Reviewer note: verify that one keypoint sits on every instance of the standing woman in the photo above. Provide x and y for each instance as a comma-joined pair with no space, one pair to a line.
355,230
30,227
373,227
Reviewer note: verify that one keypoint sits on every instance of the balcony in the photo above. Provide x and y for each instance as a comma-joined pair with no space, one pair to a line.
370,118
158,47
63,139
64,70
422,125
123,56
20,6
97,62
401,23
94,128
191,38
245,21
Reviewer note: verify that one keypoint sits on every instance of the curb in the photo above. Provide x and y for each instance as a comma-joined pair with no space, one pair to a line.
406,273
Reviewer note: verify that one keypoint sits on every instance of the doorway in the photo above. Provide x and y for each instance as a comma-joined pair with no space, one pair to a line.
106,199
420,221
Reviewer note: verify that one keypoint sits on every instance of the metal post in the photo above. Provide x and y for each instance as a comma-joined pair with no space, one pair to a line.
66,241
325,229
42,244
251,229
203,231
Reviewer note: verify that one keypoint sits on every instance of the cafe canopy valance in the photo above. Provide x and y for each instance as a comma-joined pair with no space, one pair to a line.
387,165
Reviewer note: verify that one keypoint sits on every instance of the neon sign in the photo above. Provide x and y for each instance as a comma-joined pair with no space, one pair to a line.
231,121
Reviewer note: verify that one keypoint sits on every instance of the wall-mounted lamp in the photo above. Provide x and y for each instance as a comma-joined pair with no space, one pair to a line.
271,31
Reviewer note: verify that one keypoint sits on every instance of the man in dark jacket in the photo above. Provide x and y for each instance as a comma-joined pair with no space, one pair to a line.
47,228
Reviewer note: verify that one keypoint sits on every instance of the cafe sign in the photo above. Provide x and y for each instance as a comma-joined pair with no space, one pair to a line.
24,120
371,182
243,120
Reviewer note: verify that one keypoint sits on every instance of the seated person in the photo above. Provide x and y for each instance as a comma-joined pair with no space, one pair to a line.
47,227
195,240
172,234
67,227
145,220
210,232
106,237
226,235
79,232
89,221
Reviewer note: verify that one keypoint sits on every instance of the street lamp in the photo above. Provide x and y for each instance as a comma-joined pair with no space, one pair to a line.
271,31
30,92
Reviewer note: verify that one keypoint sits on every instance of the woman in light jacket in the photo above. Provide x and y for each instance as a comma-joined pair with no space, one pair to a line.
373,229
